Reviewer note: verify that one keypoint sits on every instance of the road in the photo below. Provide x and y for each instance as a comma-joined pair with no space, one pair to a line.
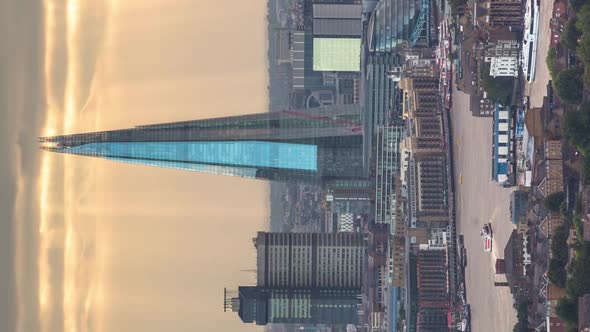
478,201
538,88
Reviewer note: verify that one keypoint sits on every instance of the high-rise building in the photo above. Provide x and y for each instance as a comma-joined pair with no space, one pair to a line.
309,146
433,291
310,260
425,174
304,278
381,93
297,306
392,23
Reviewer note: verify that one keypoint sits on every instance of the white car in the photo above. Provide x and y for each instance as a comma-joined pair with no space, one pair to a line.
486,236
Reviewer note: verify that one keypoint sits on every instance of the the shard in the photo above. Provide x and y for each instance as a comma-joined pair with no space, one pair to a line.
309,146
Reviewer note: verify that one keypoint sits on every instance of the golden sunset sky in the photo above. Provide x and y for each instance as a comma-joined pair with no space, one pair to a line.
105,246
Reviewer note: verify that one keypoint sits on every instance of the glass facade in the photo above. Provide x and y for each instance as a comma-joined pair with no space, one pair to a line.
231,153
392,23
311,146
381,92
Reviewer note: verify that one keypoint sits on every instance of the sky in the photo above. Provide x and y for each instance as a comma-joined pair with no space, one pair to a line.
94,245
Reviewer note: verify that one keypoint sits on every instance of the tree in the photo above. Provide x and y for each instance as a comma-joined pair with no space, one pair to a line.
553,201
567,309
583,18
560,252
568,85
571,34
586,171
522,312
578,226
586,76
557,274
578,284
551,61
577,128
583,49
577,4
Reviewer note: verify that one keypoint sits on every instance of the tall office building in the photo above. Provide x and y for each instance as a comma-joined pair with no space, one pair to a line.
297,306
304,278
311,260
392,23
310,146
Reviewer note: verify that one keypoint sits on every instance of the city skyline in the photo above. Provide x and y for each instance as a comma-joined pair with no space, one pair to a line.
325,165
130,262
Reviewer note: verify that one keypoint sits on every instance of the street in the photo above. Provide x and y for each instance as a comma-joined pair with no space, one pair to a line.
479,201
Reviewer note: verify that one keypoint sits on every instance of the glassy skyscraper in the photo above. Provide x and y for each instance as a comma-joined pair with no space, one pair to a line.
309,146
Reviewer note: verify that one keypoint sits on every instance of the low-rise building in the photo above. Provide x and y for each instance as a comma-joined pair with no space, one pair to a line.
502,144
502,53
504,66
554,323
518,209
553,181
515,266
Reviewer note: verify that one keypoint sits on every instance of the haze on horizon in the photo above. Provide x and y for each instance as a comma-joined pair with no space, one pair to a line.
93,245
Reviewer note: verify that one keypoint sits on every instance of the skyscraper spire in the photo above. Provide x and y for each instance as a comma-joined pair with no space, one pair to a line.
310,145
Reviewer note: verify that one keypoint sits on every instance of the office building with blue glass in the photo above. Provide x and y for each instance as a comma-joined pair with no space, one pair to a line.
308,146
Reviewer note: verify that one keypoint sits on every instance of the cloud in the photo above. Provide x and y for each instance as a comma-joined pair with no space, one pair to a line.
21,105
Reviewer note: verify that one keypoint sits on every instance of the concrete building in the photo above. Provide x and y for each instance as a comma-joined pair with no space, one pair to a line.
553,322
346,222
387,160
502,53
354,197
282,46
310,260
501,44
549,224
515,267
424,175
377,270
504,67
397,252
433,291
296,306
337,29
432,190
504,13
553,181
518,210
